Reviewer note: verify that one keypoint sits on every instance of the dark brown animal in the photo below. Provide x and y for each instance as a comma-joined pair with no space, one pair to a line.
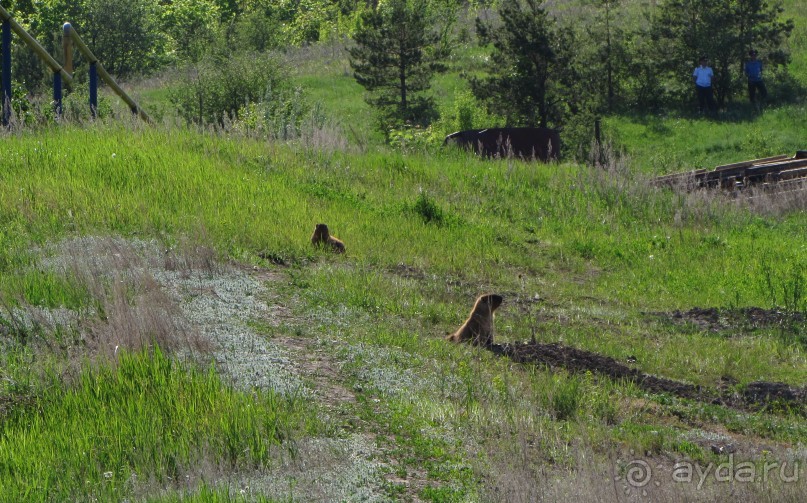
478,328
525,142
322,237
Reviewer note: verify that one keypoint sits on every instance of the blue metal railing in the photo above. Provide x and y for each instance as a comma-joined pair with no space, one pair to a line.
61,75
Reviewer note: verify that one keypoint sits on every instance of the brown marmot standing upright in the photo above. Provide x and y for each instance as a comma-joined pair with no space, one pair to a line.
478,328
322,237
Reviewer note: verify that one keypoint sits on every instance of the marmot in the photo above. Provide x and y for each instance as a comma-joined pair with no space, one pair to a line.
322,237
478,328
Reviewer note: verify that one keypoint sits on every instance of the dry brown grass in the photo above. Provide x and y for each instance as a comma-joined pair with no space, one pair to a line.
520,473
133,311
776,200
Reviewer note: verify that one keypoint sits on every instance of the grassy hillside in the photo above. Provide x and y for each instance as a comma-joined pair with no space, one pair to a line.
168,333
592,259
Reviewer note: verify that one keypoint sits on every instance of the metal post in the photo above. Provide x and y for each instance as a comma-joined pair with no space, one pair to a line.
93,89
6,85
597,137
598,142
57,94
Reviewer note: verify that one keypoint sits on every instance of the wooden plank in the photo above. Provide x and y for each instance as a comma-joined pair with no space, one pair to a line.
82,47
775,166
726,173
755,172
679,175
790,174
40,51
745,164
765,170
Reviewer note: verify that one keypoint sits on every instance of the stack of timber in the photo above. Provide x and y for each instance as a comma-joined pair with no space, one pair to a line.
780,173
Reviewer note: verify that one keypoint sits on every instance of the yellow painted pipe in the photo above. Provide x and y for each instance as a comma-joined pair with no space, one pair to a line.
34,45
69,31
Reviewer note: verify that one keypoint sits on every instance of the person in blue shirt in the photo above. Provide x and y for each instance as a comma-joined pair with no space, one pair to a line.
703,76
753,70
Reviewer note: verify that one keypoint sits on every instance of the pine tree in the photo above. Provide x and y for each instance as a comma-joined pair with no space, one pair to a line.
724,31
395,57
527,66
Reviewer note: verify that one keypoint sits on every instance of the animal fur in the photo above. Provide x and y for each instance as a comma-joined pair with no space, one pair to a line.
478,328
322,237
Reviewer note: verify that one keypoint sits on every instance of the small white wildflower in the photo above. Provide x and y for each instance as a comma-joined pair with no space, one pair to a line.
107,475
651,257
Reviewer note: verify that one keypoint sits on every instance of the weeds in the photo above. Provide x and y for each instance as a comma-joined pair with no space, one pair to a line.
147,416
785,287
580,255
428,209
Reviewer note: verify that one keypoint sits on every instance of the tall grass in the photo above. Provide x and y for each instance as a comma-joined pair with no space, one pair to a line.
147,418
590,257
249,197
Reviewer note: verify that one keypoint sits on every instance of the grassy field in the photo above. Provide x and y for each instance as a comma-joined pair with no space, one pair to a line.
590,258
169,334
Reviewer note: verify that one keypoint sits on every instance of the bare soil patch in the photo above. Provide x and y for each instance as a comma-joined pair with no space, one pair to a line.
758,395
717,319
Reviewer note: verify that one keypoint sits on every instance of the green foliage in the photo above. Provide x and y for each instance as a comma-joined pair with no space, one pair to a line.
464,112
395,57
722,30
602,57
428,209
527,67
191,25
148,417
123,34
255,31
413,138
23,110
786,287
214,91
76,106
311,20
45,289
280,114
566,397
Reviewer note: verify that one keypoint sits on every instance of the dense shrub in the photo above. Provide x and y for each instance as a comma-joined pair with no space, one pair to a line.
279,115
213,91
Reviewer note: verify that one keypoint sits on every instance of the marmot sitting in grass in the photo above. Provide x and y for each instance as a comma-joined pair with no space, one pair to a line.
478,328
322,237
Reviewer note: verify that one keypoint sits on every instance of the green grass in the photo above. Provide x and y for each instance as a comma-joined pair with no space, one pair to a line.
146,418
658,144
498,219
425,233
594,259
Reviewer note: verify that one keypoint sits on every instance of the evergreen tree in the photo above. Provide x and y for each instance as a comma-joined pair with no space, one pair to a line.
527,67
724,31
395,57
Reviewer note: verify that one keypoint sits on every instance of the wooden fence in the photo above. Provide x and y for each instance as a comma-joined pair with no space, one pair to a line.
61,74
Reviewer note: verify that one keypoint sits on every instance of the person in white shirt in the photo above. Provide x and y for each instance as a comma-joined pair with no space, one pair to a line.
703,76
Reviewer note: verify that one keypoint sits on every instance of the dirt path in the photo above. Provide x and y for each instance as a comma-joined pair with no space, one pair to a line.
228,314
